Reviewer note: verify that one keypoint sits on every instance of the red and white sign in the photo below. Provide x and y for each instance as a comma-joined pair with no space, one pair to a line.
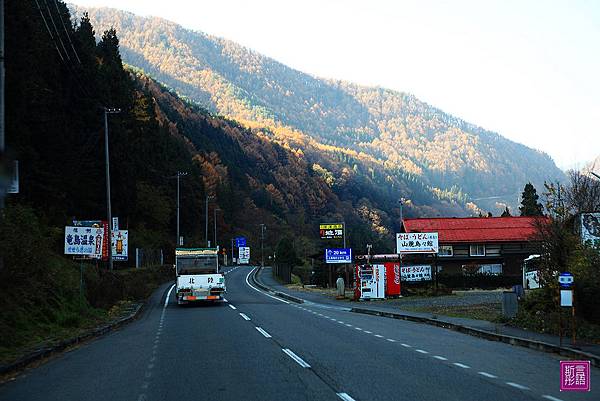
416,273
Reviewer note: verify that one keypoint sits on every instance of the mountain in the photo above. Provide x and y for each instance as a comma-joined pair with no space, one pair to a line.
396,132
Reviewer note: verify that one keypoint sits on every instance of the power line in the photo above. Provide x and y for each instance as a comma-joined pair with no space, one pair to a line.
56,30
66,32
49,31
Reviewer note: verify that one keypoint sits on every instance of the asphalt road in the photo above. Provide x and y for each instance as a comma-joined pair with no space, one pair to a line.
257,347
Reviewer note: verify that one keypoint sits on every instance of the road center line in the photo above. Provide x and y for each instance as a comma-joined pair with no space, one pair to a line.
441,358
232,307
368,332
421,351
549,397
295,357
378,336
489,375
244,316
391,340
264,333
517,385
460,365
345,397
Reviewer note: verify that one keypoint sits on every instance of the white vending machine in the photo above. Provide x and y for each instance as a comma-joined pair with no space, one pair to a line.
371,281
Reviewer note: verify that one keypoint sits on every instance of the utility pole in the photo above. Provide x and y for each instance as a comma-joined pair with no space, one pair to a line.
262,244
215,210
178,175
2,86
108,111
401,202
232,251
208,197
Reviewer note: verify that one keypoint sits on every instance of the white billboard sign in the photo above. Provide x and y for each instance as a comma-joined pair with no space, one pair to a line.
244,254
84,241
590,229
120,240
416,273
417,242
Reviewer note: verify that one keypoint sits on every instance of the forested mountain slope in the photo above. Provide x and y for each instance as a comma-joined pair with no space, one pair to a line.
398,133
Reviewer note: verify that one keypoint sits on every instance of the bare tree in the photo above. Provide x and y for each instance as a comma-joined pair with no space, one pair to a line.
583,193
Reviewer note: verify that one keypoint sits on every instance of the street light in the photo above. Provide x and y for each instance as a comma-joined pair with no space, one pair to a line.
208,197
215,210
108,111
178,176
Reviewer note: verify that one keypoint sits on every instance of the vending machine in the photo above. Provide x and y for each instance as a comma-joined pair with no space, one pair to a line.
392,279
370,281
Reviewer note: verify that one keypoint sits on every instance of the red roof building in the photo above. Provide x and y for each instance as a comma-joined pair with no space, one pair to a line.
495,245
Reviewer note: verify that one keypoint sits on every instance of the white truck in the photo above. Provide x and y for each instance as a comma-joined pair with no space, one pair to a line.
198,276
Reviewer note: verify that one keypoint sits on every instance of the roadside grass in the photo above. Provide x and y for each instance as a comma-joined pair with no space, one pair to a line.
489,312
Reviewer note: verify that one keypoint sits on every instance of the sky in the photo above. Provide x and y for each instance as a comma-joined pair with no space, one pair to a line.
529,70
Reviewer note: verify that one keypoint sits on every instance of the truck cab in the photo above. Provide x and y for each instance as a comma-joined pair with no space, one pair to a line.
198,275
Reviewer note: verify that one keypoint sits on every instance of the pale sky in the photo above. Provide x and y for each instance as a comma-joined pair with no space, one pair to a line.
529,70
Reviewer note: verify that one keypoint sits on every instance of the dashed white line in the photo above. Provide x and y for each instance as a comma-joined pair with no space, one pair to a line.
517,385
421,351
264,333
168,295
378,336
295,357
549,397
489,375
232,307
358,328
244,316
368,332
391,340
345,397
349,325
441,358
460,365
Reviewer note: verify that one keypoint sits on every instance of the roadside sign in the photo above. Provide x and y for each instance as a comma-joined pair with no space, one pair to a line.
417,242
338,255
84,241
331,231
566,297
416,273
244,254
115,224
565,280
181,240
240,241
120,240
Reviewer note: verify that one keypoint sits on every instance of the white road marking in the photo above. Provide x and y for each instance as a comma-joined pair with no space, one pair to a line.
358,328
549,397
232,307
486,374
244,316
225,300
368,332
168,295
378,336
391,340
517,385
441,358
422,351
264,333
257,290
295,357
406,345
460,365
349,325
345,397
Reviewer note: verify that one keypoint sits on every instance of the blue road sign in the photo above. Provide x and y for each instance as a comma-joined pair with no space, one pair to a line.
240,242
338,255
565,280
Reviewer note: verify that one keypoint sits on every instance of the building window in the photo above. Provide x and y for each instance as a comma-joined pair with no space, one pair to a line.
445,250
477,250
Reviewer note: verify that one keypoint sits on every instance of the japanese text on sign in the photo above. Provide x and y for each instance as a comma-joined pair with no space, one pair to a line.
417,242
331,231
338,255
416,273
84,241
575,376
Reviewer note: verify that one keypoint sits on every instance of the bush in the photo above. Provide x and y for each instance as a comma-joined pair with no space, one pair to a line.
478,280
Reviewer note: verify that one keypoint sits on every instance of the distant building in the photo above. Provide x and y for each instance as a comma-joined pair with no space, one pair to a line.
495,245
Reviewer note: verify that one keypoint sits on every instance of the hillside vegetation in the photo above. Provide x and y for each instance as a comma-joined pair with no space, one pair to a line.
400,138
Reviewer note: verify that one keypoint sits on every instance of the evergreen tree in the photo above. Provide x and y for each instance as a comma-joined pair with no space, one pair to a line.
506,212
529,202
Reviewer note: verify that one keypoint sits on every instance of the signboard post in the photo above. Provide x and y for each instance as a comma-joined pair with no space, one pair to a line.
84,241
565,280
331,230
416,273
240,242
119,244
338,255
590,229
